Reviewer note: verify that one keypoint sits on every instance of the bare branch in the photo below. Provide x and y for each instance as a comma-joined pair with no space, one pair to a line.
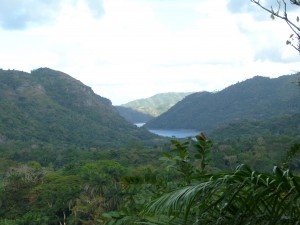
295,2
295,28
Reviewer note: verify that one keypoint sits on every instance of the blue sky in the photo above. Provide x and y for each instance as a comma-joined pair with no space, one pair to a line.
131,49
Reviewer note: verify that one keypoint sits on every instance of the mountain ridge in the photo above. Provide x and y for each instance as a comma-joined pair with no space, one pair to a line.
156,104
251,99
48,106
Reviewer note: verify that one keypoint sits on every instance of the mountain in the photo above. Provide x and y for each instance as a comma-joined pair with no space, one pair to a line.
132,115
48,106
157,104
257,98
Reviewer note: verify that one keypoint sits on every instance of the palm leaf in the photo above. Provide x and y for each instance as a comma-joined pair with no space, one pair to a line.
243,196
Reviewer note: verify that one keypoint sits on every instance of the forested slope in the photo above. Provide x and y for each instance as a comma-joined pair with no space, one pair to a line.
132,115
47,106
157,104
257,98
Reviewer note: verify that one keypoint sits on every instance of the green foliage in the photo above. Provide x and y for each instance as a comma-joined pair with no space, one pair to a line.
283,125
180,157
56,182
258,98
56,196
202,146
157,104
100,175
180,161
260,144
132,115
183,190
50,107
101,191
243,196
187,193
290,156
179,168
240,197
31,194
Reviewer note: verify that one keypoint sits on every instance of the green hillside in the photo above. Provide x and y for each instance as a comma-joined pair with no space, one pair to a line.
114,184
157,104
257,98
260,144
288,125
132,115
47,106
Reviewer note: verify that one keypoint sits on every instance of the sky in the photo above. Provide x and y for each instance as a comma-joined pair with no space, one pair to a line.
133,49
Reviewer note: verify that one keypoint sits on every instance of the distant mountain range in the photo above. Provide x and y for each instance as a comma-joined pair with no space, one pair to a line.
258,98
48,106
142,110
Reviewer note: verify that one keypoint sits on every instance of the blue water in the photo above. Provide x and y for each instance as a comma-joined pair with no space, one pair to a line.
175,133
139,124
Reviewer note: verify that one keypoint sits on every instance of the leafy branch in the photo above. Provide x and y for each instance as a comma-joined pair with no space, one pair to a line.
281,12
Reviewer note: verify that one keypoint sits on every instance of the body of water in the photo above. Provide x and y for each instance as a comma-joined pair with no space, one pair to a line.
177,133
139,124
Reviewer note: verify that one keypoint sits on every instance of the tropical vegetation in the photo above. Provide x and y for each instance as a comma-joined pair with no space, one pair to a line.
248,175
48,177
48,107
187,185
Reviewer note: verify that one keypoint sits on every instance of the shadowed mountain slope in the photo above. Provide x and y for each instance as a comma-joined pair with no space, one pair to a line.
257,98
132,115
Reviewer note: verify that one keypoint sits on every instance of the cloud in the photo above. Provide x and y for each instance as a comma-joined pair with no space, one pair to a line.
176,14
142,47
265,36
246,6
238,6
96,7
20,14
268,53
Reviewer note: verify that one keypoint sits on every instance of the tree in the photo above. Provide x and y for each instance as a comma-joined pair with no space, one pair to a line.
181,163
101,191
281,12
55,197
243,196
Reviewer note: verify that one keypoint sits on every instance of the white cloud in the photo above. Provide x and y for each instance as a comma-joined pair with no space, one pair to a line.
137,48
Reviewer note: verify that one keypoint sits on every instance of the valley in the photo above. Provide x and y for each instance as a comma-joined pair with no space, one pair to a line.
150,112
62,145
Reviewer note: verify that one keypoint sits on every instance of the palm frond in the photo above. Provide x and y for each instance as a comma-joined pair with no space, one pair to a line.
239,197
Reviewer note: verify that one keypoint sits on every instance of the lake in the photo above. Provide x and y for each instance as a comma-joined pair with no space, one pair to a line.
177,133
